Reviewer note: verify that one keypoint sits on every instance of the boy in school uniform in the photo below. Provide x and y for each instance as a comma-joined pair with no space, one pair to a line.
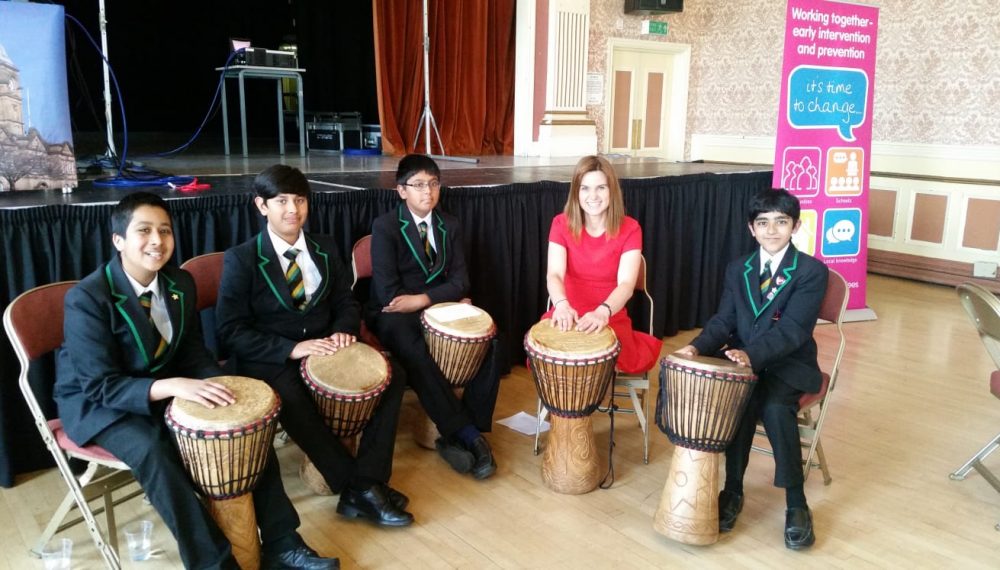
418,261
285,295
132,342
769,306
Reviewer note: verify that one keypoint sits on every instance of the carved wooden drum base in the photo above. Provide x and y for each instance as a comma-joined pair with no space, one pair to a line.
570,464
689,506
237,520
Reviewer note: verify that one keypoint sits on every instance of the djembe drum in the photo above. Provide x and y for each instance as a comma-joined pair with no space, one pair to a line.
573,372
225,450
700,405
458,337
347,386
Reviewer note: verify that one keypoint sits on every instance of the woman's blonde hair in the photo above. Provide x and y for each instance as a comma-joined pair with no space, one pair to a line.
616,207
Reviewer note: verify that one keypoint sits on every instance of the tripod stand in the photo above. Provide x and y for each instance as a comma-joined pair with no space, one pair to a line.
427,117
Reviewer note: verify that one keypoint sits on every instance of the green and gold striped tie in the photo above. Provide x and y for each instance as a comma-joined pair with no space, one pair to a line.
294,277
428,250
765,279
146,300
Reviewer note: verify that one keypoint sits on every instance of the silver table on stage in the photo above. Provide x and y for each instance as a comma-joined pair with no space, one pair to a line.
242,72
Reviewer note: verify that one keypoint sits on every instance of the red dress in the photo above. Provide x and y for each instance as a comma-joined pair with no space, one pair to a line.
592,274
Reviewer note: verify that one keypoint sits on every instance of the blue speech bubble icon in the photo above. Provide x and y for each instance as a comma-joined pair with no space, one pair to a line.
827,98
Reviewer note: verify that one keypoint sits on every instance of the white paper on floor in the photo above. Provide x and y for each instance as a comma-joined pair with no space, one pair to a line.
523,422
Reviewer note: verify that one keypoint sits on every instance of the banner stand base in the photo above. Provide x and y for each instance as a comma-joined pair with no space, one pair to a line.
858,315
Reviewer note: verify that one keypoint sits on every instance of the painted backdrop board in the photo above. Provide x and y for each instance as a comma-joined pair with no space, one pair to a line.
36,142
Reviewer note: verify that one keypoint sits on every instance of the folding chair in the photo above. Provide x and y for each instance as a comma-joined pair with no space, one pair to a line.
625,385
34,324
207,272
983,308
813,407
361,264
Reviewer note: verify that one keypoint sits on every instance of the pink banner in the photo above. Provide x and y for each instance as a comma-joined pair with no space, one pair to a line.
823,151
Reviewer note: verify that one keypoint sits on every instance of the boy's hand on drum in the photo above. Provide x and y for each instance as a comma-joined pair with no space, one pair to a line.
342,340
205,392
739,357
688,351
407,304
564,317
316,346
593,321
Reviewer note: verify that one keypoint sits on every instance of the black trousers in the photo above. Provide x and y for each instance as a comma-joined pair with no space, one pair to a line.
402,335
776,404
303,422
146,445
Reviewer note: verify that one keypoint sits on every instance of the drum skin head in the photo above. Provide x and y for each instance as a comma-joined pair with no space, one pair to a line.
549,340
469,327
355,369
254,400
707,364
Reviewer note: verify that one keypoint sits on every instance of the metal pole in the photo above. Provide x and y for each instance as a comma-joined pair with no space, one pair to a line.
427,118
427,85
103,22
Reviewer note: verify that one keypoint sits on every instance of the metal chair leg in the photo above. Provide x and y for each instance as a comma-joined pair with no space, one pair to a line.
540,414
960,473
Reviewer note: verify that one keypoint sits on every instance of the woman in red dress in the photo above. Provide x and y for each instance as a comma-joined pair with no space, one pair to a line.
594,256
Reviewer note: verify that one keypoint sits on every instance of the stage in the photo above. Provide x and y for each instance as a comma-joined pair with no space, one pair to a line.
692,215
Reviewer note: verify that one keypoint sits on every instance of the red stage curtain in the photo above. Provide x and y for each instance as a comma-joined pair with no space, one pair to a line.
472,74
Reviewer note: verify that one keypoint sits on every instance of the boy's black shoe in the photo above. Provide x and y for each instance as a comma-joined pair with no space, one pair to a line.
372,504
300,556
730,505
484,464
798,528
458,457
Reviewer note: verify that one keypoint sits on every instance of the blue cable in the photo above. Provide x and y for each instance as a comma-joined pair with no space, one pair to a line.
211,107
132,176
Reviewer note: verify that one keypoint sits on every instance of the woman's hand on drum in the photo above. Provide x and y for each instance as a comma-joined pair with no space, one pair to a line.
316,346
564,317
342,340
688,351
593,321
204,392
739,357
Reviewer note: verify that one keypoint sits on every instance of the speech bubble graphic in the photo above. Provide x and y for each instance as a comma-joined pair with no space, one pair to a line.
827,98
841,231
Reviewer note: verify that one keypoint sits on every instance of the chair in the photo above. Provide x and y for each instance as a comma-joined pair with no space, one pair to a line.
33,322
206,270
207,273
361,263
813,407
984,309
625,385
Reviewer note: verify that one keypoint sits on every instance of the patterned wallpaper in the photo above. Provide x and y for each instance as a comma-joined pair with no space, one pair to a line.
937,78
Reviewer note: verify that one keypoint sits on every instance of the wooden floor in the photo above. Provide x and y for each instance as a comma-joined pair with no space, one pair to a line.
912,405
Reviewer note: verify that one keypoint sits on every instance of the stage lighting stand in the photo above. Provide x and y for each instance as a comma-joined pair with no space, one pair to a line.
427,118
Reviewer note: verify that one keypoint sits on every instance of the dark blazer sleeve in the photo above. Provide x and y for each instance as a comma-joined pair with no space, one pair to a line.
95,357
720,328
234,313
456,282
798,318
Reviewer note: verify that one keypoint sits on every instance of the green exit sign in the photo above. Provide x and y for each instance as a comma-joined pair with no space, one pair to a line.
654,28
